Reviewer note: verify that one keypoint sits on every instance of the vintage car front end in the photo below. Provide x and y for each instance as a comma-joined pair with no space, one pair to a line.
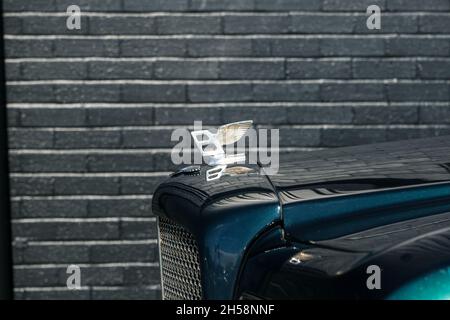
315,230
205,229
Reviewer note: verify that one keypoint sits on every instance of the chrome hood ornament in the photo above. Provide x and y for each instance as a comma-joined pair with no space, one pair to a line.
211,146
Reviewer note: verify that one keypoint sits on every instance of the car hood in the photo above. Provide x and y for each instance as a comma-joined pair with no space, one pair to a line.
331,193
323,194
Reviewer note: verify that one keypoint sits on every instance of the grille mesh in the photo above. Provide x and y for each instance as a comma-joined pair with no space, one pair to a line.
180,264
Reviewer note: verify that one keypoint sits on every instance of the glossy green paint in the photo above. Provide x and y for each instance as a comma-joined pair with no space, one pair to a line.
224,243
432,286
326,218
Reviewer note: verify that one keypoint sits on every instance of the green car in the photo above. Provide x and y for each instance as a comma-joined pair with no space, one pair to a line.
364,222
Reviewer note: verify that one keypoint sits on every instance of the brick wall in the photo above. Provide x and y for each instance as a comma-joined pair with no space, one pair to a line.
91,111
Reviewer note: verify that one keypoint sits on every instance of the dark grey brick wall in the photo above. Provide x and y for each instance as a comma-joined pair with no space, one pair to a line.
91,111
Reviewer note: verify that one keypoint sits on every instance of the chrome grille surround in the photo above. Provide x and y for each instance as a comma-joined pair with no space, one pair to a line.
179,261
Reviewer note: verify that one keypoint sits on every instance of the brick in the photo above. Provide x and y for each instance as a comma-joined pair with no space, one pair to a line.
147,138
56,254
60,294
287,5
186,70
19,245
259,115
120,163
126,293
155,5
24,5
299,137
86,185
219,92
137,229
81,139
33,139
29,93
14,163
120,70
313,23
19,48
187,115
12,71
319,115
42,162
54,70
140,185
382,69
243,24
120,207
36,277
99,276
261,47
394,134
352,47
400,24
434,69
75,93
15,206
51,25
351,5
85,48
317,69
13,117
30,186
435,23
48,117
53,208
189,25
162,162
385,115
435,114
66,230
121,25
219,47
218,5
285,92
336,137
152,47
153,93
251,70
352,92
418,91
146,275
293,48
413,46
119,116
91,5
12,25
123,253
417,5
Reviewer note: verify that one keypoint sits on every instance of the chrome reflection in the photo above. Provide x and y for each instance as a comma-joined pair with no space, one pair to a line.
300,258
222,170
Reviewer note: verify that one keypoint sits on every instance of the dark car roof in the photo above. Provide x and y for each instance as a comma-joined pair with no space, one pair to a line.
363,168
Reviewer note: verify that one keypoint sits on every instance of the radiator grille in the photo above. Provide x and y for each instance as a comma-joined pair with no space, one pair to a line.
180,264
